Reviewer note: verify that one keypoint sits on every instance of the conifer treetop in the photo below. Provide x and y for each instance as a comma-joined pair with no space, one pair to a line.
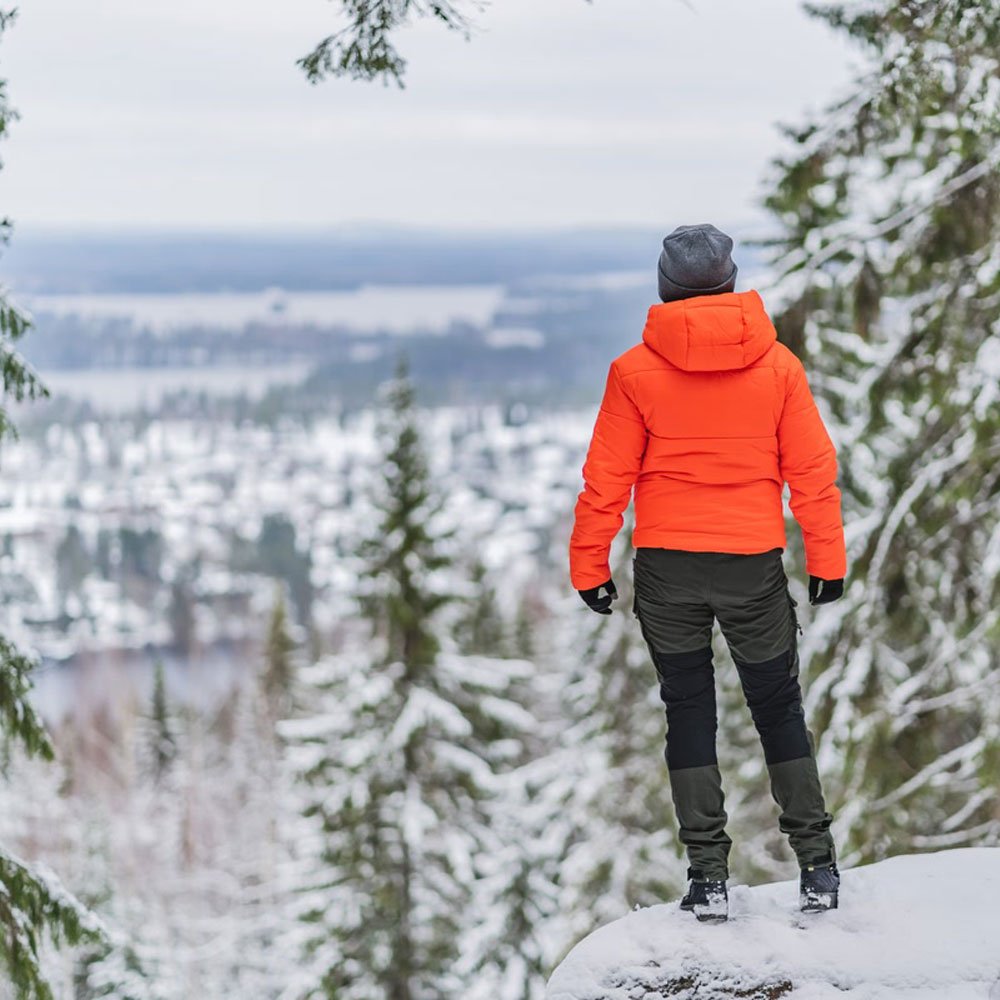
402,589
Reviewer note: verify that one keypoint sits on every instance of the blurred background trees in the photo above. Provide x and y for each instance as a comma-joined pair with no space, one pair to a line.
34,907
471,778
888,209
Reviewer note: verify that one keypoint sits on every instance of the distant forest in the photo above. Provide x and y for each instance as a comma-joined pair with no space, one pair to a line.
582,324
339,259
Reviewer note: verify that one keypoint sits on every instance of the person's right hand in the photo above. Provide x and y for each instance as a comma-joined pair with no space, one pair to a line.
825,591
593,599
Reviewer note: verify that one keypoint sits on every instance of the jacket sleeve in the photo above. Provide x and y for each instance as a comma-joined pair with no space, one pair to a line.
612,467
808,463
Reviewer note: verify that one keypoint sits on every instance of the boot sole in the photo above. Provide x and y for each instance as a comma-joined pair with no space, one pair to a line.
819,902
706,918
716,912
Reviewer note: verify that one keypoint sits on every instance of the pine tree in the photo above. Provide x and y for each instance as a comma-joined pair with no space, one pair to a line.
113,973
72,562
888,215
525,622
164,743
181,617
255,854
399,762
33,905
511,935
279,647
278,555
480,627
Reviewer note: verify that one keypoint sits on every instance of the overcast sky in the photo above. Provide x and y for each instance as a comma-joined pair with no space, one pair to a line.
192,113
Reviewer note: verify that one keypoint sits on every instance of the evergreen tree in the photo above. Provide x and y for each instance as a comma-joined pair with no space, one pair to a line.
480,627
141,553
104,554
112,973
888,214
278,555
400,760
512,932
525,624
72,562
164,743
180,615
279,647
33,905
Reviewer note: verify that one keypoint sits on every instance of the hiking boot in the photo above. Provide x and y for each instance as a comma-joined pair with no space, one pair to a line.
819,888
707,899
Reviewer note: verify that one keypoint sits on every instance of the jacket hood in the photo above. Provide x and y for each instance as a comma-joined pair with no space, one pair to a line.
710,333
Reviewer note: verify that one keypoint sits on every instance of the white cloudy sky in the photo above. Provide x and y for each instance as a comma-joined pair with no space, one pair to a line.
559,112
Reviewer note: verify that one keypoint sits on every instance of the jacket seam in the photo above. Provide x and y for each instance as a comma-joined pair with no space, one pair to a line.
712,437
621,416
675,368
791,374
618,375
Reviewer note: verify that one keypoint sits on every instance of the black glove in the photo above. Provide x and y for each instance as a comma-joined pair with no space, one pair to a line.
825,591
593,600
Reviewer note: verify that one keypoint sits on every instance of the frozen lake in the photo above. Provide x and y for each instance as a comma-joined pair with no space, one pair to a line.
118,389
395,309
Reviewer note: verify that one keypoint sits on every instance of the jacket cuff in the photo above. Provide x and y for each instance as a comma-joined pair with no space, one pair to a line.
589,577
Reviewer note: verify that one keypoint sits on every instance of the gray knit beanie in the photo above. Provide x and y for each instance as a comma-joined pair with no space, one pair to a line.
696,260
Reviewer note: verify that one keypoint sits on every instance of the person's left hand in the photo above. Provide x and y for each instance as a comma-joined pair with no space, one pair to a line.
825,591
593,599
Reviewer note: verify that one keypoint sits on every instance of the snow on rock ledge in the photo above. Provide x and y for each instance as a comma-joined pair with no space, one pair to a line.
911,928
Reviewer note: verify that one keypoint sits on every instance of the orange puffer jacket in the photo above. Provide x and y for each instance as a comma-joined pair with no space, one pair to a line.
707,419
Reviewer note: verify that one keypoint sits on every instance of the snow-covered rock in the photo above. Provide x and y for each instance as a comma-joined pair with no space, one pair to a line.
910,928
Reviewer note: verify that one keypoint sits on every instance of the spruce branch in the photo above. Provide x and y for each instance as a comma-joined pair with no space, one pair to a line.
18,719
363,49
34,903
856,241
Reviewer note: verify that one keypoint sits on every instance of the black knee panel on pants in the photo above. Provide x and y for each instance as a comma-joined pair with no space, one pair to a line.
775,701
687,689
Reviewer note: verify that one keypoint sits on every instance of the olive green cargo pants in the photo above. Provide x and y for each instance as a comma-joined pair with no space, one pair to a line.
678,596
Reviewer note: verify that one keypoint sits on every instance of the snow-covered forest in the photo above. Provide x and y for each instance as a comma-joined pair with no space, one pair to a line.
297,701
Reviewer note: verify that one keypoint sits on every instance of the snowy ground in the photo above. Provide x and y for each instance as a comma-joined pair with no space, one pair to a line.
911,928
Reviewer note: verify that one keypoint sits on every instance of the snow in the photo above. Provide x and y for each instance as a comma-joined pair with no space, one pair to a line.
612,281
910,928
504,337
123,389
371,308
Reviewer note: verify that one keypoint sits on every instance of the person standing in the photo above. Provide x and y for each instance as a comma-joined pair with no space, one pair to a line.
706,420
